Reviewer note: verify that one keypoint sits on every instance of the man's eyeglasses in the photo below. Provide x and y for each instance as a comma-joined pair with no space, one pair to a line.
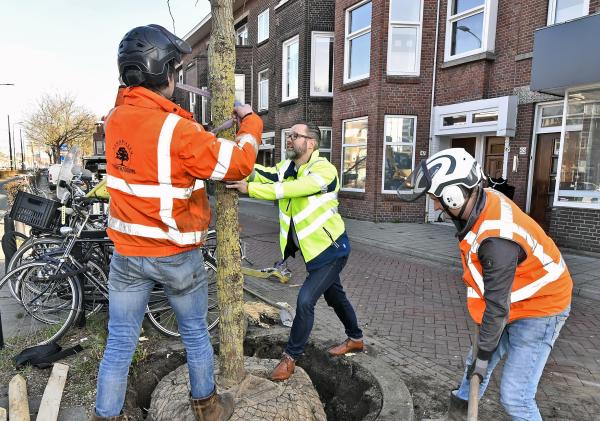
293,136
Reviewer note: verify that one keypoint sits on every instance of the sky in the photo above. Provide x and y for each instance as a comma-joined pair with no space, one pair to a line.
70,47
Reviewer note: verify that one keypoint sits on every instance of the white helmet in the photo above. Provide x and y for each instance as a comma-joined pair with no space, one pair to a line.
449,175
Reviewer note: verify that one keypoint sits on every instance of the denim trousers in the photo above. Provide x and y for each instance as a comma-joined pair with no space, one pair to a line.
527,344
130,282
322,281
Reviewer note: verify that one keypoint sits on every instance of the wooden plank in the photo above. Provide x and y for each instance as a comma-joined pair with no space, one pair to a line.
53,393
18,405
3,416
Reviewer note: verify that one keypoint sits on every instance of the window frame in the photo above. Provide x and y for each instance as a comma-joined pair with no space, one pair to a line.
265,36
386,143
244,86
192,102
552,11
351,36
343,145
489,8
317,34
284,69
329,150
205,112
260,106
567,204
405,24
237,32
180,75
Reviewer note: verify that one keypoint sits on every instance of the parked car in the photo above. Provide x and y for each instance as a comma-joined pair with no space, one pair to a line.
53,172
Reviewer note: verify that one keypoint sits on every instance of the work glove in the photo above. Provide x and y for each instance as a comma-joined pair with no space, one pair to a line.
478,368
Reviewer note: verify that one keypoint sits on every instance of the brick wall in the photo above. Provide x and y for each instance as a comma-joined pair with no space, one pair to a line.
576,228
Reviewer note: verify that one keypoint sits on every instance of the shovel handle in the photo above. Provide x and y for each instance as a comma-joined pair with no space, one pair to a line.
473,407
473,399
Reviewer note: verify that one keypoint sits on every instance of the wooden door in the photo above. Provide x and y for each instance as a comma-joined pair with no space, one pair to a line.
468,143
544,177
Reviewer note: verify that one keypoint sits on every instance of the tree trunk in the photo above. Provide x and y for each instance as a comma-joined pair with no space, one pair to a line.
221,58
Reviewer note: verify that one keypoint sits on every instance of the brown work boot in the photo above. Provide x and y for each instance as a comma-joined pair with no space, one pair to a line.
121,417
214,408
349,345
284,369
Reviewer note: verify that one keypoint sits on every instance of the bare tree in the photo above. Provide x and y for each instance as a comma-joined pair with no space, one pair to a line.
221,57
59,121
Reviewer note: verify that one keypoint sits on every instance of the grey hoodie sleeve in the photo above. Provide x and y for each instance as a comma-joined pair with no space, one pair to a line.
499,259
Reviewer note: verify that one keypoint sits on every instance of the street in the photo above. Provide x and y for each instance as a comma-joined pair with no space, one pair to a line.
416,310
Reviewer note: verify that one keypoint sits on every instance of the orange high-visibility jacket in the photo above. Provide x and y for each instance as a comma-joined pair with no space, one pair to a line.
157,157
542,285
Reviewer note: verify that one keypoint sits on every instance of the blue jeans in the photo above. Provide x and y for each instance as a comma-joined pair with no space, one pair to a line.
130,282
322,281
528,343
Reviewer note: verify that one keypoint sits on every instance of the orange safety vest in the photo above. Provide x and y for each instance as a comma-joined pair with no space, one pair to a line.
157,157
542,285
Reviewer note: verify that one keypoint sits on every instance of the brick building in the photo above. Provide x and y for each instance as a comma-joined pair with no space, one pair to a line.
275,42
412,77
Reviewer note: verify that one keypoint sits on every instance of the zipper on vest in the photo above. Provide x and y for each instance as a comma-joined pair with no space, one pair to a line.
337,246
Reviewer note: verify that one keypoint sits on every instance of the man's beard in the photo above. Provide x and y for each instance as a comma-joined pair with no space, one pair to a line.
295,152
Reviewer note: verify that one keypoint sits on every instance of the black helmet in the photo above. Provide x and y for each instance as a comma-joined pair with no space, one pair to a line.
145,52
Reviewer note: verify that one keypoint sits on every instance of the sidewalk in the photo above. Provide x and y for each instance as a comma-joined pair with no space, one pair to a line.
437,243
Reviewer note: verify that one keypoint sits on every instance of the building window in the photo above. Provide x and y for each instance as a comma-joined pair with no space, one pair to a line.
240,88
354,154
263,26
325,145
205,111
241,35
485,117
284,133
470,27
357,45
564,10
263,90
192,103
321,68
289,67
578,183
180,76
454,120
404,38
551,116
398,151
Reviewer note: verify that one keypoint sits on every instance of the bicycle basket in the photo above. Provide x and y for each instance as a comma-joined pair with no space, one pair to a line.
35,211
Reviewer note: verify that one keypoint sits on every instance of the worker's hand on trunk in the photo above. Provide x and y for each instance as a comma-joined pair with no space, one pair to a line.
241,110
241,186
479,368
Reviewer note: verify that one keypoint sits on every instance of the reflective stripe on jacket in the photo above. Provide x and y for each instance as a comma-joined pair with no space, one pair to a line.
542,285
308,197
157,157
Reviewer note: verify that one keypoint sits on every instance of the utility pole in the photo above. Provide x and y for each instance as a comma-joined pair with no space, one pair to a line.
22,150
10,145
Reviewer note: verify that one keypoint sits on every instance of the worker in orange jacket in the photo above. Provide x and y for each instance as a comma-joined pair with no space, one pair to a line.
157,159
518,286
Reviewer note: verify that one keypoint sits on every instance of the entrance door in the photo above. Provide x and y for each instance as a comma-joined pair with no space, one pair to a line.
494,156
544,177
468,143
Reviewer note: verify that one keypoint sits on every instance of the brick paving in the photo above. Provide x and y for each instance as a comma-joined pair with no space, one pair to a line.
414,316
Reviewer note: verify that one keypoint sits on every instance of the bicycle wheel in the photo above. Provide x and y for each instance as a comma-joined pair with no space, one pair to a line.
30,251
50,301
161,315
